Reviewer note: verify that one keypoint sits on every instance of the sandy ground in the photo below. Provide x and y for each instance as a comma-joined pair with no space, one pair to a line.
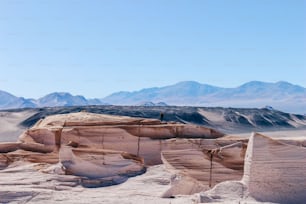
9,128
27,185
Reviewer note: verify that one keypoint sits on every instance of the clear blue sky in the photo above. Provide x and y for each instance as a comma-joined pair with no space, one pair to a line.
96,47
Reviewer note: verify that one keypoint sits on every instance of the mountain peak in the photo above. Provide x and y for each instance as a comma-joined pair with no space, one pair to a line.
59,94
188,83
254,84
284,84
281,95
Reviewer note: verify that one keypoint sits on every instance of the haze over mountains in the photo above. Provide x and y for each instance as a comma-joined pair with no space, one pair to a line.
255,94
9,101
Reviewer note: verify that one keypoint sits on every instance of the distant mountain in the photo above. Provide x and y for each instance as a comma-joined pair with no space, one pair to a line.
179,94
9,101
280,95
61,99
66,99
255,94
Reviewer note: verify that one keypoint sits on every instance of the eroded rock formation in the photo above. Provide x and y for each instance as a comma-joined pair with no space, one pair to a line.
274,171
101,149
216,161
94,150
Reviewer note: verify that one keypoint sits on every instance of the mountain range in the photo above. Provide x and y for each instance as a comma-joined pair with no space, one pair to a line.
9,101
280,95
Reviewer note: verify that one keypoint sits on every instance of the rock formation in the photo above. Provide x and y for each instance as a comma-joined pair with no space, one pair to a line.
274,171
201,169
101,149
100,167
94,150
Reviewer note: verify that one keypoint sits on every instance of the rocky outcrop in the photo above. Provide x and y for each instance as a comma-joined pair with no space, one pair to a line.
274,171
94,150
201,169
101,149
100,167
142,137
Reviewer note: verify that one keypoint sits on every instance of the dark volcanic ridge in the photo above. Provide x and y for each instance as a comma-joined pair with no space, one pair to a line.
227,120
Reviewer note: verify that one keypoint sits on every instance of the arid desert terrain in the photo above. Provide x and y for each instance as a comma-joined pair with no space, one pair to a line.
125,154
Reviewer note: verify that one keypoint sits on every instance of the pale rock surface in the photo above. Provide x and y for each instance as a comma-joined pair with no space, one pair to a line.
22,183
54,160
275,171
201,169
102,150
100,167
142,137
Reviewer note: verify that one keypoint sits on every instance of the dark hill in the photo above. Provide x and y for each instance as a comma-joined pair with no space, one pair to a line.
227,120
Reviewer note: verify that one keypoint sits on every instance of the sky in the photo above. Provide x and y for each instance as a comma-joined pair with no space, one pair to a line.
97,47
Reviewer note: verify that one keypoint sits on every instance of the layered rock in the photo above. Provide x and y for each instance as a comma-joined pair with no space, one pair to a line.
96,150
203,168
101,149
6,147
274,171
100,167
142,137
